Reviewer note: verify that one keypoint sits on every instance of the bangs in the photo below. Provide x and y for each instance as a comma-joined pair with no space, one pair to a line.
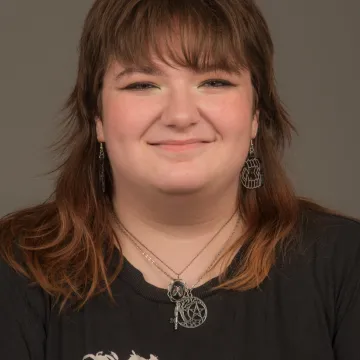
200,35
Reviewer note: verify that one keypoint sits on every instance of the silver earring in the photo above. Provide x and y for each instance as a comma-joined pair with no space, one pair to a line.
251,174
102,167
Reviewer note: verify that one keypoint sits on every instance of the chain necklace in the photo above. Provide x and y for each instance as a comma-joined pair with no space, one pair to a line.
135,239
190,311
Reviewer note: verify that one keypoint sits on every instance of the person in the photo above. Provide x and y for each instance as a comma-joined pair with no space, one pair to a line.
173,231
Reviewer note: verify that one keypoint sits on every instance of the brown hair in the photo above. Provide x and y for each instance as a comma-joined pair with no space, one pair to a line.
66,244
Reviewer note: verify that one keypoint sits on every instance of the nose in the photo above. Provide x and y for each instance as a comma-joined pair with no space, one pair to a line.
180,111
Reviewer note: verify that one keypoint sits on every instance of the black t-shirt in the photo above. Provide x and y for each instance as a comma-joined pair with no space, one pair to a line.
308,308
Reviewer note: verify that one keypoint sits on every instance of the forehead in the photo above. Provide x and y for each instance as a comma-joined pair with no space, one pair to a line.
196,35
158,68
177,52
168,63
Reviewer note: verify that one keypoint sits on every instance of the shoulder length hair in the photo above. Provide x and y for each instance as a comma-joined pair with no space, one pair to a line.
66,244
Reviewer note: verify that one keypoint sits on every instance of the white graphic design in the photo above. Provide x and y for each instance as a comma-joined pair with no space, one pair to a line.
101,356
112,356
137,357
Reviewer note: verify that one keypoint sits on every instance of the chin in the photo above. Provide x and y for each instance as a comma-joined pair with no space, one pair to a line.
173,191
181,188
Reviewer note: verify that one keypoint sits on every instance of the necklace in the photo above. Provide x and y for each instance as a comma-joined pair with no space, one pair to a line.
136,240
190,311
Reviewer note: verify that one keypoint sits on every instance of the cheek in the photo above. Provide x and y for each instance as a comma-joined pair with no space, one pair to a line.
230,115
124,119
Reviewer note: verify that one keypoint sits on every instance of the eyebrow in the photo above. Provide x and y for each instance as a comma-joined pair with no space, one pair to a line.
140,70
147,70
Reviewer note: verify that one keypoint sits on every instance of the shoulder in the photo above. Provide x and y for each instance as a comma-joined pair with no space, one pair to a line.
327,252
332,252
330,234
24,315
326,246
10,280
19,296
321,220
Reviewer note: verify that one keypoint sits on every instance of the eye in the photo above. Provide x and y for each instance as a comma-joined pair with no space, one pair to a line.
139,86
217,83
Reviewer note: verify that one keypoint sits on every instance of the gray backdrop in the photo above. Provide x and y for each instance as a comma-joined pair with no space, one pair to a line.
317,65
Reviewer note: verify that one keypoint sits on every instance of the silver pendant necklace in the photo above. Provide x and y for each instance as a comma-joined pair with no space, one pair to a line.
190,311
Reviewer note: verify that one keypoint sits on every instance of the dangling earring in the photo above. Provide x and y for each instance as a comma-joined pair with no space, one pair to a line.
102,167
251,174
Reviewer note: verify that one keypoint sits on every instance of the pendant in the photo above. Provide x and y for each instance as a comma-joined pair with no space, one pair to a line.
190,311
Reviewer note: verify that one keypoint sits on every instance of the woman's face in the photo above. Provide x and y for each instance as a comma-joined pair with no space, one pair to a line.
174,130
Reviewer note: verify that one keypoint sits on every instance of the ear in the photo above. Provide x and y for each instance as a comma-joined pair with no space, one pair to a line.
99,130
255,124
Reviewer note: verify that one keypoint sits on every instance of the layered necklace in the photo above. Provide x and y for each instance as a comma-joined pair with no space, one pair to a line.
190,311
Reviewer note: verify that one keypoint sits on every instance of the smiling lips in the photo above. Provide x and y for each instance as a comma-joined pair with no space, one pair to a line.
180,145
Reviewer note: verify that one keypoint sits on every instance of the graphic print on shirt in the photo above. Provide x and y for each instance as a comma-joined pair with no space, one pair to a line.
101,355
133,356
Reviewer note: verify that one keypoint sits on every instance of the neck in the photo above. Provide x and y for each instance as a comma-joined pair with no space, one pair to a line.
176,217
175,229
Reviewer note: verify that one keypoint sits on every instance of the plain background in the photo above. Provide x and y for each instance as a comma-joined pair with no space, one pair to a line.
317,68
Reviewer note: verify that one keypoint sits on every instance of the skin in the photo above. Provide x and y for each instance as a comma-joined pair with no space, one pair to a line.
166,193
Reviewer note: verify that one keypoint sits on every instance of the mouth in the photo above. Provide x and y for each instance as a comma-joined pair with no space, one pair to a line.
180,145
